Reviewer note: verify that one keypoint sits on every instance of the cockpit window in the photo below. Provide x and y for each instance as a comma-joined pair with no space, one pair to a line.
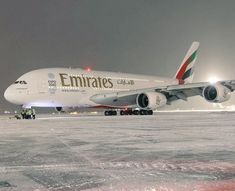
20,82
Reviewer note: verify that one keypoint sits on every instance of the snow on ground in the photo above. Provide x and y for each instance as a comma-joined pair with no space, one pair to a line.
164,152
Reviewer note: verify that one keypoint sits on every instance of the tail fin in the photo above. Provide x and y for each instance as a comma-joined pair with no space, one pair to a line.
186,71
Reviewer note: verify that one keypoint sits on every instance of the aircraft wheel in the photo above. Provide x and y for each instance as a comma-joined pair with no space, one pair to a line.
106,113
142,112
136,112
129,112
114,112
150,112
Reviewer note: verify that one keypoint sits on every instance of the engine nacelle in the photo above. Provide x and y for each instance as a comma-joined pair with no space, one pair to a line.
216,93
151,100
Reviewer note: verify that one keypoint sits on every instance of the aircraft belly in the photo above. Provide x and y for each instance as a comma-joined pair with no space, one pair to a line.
115,100
80,99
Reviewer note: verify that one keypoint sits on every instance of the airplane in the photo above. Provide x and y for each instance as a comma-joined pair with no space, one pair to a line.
65,89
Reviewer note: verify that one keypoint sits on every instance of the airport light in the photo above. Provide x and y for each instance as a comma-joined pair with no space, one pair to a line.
213,79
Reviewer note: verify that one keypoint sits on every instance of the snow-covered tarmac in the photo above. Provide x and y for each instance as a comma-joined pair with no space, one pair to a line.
164,152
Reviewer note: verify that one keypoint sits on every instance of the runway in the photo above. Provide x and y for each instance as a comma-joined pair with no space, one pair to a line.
164,152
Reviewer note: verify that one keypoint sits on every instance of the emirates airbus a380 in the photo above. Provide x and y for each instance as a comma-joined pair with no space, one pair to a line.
66,88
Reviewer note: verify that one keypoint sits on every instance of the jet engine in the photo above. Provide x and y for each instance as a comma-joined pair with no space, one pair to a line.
151,100
216,93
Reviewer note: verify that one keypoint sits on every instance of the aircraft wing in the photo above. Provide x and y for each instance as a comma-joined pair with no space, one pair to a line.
172,93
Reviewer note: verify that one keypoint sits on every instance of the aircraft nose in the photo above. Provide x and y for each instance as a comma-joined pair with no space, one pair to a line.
9,95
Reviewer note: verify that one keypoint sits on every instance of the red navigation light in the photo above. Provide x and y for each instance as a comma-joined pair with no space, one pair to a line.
88,69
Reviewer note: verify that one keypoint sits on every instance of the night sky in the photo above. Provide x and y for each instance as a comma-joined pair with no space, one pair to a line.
137,36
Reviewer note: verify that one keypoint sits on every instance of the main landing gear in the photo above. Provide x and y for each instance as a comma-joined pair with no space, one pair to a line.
110,112
136,112
129,112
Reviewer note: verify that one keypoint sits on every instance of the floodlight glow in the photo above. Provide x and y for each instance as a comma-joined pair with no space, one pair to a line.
213,79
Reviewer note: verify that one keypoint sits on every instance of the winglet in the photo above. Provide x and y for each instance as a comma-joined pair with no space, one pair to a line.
186,70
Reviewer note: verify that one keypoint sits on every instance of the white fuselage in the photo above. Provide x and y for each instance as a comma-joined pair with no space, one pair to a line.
65,87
